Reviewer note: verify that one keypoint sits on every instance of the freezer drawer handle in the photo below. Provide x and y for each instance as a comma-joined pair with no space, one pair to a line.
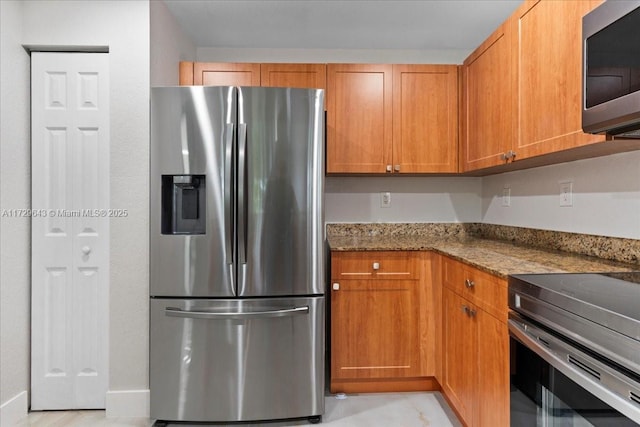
177,312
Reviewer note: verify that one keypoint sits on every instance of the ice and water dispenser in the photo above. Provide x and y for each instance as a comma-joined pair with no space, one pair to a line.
183,204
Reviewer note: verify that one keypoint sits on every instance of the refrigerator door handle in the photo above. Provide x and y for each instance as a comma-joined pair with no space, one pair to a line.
177,312
228,217
242,196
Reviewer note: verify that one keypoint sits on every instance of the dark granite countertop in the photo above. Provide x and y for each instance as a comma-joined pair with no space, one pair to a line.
497,257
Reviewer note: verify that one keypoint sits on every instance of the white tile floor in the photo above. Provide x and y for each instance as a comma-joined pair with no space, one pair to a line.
417,409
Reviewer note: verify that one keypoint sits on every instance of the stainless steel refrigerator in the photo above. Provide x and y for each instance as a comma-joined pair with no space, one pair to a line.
236,253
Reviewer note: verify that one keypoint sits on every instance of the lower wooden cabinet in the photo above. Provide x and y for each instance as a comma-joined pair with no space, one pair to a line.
459,356
416,320
381,322
475,367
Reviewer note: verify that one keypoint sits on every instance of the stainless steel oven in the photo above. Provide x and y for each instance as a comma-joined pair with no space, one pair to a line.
575,349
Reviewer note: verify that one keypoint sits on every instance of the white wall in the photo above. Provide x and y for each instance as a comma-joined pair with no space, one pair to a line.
124,27
169,46
413,199
380,56
606,197
15,193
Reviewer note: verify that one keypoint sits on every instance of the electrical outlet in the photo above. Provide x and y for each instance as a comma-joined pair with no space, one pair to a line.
566,193
385,199
506,196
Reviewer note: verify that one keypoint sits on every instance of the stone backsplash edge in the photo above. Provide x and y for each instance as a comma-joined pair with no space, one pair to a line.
603,247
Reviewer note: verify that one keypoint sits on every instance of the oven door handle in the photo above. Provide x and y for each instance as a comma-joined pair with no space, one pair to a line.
621,389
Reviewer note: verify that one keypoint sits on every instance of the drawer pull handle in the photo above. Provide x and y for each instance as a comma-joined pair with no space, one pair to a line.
468,310
336,286
376,266
469,283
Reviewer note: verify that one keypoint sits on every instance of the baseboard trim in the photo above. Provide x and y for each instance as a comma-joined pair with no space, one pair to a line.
384,385
14,409
127,404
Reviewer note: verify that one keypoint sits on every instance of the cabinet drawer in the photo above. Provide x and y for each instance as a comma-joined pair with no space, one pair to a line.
485,290
387,265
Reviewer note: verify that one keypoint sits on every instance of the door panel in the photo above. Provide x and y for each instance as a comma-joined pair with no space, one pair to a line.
280,192
375,331
192,131
70,230
425,118
460,364
226,74
208,369
359,118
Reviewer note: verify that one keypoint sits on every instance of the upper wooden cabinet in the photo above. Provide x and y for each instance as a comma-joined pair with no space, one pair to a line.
359,118
488,103
248,74
425,118
294,75
226,74
548,57
522,88
391,118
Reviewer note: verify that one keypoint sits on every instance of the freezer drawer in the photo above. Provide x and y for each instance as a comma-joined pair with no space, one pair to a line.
236,360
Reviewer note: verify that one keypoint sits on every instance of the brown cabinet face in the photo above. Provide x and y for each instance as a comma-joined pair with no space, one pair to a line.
382,322
488,106
493,371
374,329
475,345
459,358
359,114
226,74
548,50
309,76
522,89
389,119
425,118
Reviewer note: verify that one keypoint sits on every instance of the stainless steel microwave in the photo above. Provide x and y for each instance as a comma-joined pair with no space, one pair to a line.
611,69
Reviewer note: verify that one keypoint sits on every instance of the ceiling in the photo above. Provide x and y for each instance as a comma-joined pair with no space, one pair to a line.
340,24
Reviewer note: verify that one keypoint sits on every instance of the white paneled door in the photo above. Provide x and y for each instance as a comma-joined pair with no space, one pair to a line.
70,229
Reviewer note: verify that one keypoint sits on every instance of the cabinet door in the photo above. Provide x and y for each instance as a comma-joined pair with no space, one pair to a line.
309,76
493,371
488,104
359,127
226,74
425,118
459,354
549,82
374,329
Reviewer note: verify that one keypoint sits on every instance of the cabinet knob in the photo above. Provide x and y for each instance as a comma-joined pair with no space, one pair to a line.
468,310
376,266
396,168
86,250
336,286
469,283
508,155
389,168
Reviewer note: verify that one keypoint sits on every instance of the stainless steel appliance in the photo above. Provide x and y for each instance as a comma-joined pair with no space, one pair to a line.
575,349
236,254
611,69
